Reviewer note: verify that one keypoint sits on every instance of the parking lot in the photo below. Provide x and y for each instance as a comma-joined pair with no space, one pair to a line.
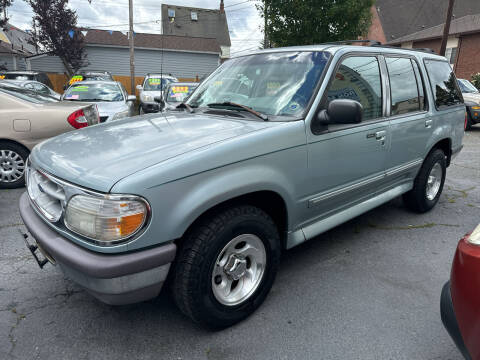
368,289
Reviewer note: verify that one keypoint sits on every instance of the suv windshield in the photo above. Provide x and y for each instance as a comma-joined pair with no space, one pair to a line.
94,92
153,83
270,83
27,95
178,93
466,86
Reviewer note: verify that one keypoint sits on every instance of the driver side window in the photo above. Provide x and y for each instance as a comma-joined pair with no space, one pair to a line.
358,78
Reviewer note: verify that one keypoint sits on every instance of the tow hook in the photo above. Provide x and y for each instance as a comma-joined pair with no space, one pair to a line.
35,250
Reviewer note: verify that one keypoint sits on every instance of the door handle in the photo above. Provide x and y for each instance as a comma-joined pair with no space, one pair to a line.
379,136
428,123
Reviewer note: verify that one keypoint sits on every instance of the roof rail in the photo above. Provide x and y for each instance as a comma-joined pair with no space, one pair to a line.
347,42
427,50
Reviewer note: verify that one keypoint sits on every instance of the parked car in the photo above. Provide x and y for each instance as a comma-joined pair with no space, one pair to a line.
176,93
26,119
471,95
311,137
89,75
460,299
27,75
34,86
153,86
111,98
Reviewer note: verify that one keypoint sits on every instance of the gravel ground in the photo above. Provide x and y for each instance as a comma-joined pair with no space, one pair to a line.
368,289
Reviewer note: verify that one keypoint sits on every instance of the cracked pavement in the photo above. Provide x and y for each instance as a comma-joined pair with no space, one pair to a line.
368,289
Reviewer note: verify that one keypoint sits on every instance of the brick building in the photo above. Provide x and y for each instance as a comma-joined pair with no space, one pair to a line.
419,24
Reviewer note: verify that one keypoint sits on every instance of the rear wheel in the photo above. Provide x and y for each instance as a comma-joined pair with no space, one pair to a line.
226,266
428,184
13,159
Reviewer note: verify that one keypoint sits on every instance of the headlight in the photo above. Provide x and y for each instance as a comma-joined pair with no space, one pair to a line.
120,115
146,98
106,220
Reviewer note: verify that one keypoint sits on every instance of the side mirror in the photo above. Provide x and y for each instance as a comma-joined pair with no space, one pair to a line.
131,98
341,111
139,87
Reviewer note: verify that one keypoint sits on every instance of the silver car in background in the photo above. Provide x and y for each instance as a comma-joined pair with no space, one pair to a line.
111,98
153,87
35,86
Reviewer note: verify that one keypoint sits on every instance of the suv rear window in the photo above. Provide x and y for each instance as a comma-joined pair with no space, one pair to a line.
444,84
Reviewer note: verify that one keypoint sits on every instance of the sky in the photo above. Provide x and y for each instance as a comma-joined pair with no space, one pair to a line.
244,21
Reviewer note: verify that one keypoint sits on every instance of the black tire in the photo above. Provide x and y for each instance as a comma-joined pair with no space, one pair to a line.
468,122
5,166
192,278
416,199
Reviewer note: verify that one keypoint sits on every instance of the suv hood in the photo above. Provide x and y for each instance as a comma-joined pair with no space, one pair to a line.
97,157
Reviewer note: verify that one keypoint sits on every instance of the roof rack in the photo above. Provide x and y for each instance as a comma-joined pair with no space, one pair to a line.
376,43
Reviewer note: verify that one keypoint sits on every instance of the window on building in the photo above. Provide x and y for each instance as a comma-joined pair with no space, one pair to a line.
194,15
358,78
403,86
171,13
443,83
451,55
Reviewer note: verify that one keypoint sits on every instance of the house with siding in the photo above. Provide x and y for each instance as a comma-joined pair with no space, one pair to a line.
192,21
187,58
15,47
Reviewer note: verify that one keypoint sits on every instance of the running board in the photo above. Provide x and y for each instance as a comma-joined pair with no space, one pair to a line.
308,232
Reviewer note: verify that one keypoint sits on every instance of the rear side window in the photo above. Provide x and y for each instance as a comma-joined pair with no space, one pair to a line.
403,86
358,78
444,84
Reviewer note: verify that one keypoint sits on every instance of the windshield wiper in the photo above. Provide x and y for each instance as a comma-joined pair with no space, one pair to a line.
240,106
186,106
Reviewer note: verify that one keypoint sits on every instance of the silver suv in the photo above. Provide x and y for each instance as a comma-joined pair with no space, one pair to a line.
271,150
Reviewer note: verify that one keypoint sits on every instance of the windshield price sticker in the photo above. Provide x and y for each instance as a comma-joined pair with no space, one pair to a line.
75,79
154,81
2,77
80,88
180,89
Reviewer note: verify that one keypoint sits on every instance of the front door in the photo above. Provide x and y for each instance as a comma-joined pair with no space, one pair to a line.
347,162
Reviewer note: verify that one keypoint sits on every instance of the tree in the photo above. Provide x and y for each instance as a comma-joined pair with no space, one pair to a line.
57,32
4,4
305,22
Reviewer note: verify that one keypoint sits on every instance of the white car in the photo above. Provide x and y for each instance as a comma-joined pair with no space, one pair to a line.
153,87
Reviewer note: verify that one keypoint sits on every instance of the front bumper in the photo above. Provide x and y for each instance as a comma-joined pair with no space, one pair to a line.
113,279
450,320
150,107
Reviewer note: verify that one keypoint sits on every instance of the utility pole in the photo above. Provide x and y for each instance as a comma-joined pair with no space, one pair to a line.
446,29
132,53
265,18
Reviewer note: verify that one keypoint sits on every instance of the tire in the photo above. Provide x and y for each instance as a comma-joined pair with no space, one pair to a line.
420,199
197,286
13,158
468,122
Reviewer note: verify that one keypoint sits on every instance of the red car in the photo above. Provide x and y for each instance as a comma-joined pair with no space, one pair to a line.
460,300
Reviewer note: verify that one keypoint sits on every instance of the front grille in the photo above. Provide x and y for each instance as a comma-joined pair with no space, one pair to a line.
47,195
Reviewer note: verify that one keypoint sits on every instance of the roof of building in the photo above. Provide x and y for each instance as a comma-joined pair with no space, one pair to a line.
463,25
152,41
210,23
15,41
400,18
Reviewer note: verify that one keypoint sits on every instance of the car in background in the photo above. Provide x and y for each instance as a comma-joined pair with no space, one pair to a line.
27,75
471,95
27,118
34,86
89,75
460,299
153,87
177,93
111,98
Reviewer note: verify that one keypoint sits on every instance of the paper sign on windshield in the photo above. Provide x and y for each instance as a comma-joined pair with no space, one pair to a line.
80,88
180,89
75,79
153,81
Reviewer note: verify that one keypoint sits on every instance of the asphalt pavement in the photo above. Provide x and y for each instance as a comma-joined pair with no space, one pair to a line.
368,289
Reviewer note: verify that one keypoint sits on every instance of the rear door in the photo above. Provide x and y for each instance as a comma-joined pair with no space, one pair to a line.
347,162
411,122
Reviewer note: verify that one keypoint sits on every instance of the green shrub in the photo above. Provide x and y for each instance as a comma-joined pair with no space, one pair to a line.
476,80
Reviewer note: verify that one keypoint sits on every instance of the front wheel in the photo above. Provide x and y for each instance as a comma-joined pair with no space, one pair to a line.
226,266
13,158
428,184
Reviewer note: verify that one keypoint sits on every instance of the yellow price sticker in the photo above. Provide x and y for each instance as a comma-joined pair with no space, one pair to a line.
75,79
180,89
2,77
